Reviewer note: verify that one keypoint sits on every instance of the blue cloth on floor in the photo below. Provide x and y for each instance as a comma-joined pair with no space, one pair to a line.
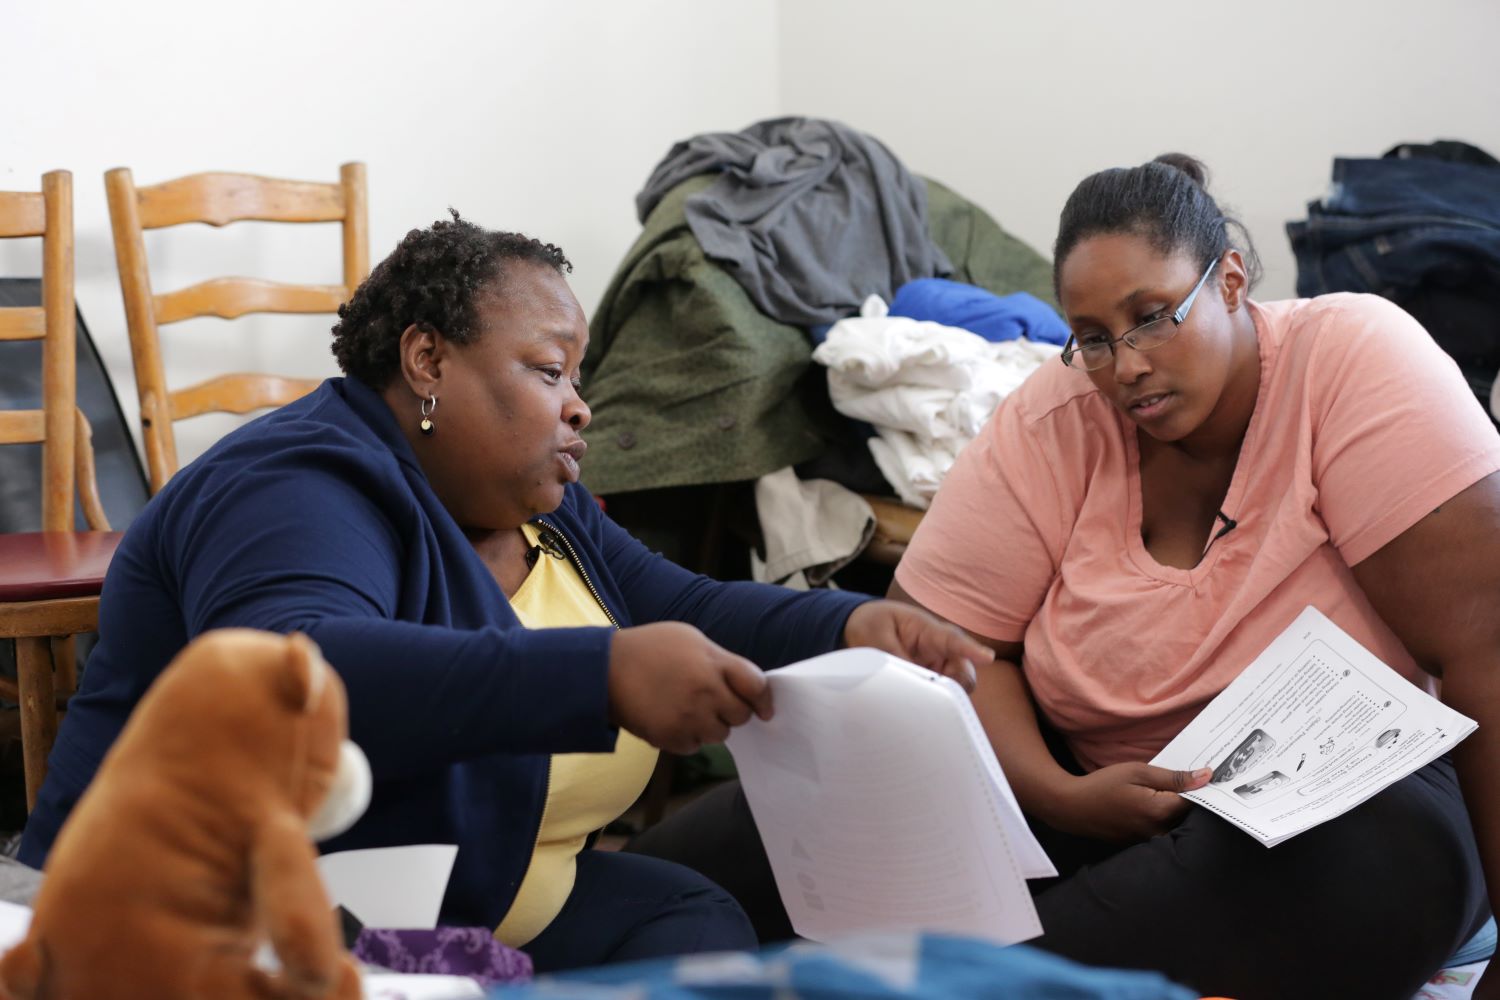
978,310
1480,947
882,967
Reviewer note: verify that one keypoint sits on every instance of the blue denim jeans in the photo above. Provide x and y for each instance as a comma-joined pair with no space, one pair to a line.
1390,225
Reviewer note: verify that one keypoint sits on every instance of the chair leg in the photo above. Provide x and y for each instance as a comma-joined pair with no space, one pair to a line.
38,710
65,664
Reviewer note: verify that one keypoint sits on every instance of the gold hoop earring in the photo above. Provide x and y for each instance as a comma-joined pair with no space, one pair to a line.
426,426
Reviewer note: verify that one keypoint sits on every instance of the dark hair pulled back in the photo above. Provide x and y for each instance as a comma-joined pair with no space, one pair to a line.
1166,201
432,279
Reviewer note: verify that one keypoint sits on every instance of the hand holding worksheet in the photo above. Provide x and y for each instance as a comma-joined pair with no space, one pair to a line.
882,806
1312,728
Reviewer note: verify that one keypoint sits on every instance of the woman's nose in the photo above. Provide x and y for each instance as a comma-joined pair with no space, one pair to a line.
577,413
1130,364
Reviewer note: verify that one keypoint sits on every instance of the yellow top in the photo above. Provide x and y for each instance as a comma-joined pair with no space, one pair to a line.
584,790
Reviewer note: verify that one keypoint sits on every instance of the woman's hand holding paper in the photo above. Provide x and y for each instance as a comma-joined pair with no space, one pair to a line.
1128,802
915,635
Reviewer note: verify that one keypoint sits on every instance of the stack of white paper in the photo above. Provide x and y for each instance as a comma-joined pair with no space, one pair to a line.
390,887
1312,728
882,806
397,887
392,986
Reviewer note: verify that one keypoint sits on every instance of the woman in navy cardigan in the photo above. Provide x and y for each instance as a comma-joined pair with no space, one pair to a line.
391,516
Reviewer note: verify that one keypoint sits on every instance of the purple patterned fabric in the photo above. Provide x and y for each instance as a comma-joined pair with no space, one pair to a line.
452,951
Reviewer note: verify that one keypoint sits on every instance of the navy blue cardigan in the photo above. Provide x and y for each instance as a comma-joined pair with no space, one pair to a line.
317,518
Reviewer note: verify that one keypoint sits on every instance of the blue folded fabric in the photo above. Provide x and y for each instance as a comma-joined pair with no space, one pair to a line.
969,307
898,967
1480,947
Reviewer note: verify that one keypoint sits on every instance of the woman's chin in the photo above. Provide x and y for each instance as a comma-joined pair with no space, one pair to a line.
549,498
1165,431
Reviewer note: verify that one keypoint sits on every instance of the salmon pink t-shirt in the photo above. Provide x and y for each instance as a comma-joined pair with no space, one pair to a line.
1362,426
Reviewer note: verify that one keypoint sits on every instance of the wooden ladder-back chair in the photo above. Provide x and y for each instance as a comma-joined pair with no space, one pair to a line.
49,580
219,199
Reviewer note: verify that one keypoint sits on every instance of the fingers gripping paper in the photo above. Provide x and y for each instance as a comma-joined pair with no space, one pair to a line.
882,806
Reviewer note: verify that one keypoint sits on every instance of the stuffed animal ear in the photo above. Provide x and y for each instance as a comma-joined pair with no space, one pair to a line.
304,674
21,971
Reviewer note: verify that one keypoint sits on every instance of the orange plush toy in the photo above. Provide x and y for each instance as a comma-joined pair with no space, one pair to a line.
193,847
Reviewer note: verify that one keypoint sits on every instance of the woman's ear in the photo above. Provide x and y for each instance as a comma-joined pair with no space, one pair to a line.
422,352
1234,280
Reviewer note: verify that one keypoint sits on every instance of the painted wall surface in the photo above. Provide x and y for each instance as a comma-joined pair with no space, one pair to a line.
539,117
1012,103
546,118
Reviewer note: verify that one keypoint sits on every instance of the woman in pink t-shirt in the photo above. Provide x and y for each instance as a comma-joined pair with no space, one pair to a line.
1134,526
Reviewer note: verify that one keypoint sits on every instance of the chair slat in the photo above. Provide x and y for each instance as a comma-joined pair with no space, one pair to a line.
62,616
22,213
23,427
23,323
231,297
219,199
238,393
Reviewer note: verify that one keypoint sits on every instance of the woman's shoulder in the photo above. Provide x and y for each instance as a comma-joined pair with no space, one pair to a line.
1056,400
308,444
1046,439
1349,345
1337,320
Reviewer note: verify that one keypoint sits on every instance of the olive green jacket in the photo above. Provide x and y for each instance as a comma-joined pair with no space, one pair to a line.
689,383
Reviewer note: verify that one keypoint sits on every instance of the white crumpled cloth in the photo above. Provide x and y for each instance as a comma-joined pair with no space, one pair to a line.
927,389
812,528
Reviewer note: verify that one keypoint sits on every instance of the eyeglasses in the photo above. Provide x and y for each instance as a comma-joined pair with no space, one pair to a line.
1098,350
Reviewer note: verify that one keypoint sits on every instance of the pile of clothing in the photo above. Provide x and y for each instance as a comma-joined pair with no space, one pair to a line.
808,215
700,372
927,387
699,369
1421,227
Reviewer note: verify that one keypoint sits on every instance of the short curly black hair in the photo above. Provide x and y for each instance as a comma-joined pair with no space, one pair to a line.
431,279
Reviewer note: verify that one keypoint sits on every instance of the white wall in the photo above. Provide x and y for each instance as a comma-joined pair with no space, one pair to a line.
541,117
1012,103
546,117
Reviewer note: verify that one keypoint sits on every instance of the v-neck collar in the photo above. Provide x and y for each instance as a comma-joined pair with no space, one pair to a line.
1144,561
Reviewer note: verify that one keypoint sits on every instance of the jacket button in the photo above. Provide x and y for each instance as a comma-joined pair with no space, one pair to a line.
726,422
626,440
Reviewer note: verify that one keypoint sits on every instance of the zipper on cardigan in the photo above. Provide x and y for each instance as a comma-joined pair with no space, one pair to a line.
552,531
577,564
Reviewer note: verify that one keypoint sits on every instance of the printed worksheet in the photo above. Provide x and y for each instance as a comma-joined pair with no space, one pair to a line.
1312,728
882,806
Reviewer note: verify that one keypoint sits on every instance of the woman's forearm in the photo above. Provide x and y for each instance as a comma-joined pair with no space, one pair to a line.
1004,706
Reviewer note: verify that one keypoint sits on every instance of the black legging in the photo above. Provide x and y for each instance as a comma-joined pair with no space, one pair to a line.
1368,905
625,909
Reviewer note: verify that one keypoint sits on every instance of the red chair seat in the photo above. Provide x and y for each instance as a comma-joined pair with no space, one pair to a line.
47,565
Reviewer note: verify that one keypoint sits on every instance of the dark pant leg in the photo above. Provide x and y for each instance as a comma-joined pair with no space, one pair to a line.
715,836
626,907
1368,905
